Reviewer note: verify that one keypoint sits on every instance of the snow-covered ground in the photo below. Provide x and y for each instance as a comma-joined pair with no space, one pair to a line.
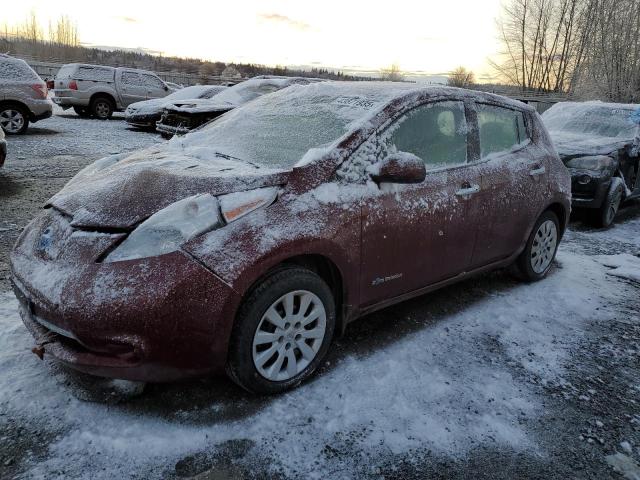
487,379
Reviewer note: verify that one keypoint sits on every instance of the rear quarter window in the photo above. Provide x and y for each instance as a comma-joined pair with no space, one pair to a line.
96,74
501,129
16,71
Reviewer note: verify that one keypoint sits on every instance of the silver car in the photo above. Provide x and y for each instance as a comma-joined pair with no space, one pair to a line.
23,96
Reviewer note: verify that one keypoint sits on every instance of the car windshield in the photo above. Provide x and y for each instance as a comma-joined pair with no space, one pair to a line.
599,119
277,130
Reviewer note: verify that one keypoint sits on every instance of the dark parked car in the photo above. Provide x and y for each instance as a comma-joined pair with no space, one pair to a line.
182,117
145,114
597,143
249,244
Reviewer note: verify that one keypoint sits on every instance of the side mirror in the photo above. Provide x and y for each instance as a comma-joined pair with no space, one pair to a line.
401,167
166,88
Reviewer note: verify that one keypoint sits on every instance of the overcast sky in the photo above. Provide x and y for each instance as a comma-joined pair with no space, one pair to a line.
426,36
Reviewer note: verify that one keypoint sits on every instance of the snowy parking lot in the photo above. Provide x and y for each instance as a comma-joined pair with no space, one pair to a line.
489,378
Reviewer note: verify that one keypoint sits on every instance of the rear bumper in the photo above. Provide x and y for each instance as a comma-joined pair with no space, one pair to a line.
3,152
68,102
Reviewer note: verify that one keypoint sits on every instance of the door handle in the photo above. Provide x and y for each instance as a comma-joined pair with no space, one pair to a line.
468,191
537,171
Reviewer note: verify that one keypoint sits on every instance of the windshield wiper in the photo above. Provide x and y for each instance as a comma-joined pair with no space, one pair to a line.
231,157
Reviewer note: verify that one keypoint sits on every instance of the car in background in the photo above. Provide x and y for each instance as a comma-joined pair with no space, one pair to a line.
596,141
3,148
23,96
246,245
95,90
145,114
182,117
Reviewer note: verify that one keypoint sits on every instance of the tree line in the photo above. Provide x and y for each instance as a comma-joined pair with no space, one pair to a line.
60,43
589,48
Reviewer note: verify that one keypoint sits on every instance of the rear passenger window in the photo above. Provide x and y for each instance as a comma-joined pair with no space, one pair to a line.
436,132
16,70
131,78
96,74
501,129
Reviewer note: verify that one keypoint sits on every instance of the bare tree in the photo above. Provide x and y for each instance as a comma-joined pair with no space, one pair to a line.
392,73
612,64
461,77
544,42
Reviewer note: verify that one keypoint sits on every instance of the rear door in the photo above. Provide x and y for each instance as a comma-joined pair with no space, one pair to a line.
131,87
418,235
514,184
154,86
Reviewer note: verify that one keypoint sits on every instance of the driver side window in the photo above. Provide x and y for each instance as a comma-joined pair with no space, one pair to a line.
435,132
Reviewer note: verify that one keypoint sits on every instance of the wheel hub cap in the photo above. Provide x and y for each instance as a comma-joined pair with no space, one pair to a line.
289,335
544,246
11,121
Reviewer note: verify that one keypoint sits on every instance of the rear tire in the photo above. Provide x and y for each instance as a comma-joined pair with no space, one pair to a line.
14,119
604,216
535,261
102,108
82,112
282,332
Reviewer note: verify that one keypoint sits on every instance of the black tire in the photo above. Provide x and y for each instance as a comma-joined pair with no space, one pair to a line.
82,112
524,264
9,113
604,216
240,364
102,108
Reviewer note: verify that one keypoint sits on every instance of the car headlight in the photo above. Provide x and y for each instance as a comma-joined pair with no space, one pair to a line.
237,205
599,162
165,231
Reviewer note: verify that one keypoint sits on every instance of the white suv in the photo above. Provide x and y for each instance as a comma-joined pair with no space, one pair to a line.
23,96
100,90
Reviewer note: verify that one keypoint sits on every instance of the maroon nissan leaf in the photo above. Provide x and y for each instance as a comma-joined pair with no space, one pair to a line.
247,245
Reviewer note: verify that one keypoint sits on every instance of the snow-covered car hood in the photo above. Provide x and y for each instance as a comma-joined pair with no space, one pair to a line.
146,106
199,106
120,191
572,144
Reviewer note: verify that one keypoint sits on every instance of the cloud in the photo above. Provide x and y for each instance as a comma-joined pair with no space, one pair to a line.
283,19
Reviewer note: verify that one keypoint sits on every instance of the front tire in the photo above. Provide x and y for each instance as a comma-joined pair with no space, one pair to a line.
606,214
282,332
14,119
535,261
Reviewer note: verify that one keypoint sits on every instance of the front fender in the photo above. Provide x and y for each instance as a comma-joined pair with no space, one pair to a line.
243,251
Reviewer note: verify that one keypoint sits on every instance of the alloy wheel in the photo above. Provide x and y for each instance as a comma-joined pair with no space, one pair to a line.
289,335
544,246
11,120
102,109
